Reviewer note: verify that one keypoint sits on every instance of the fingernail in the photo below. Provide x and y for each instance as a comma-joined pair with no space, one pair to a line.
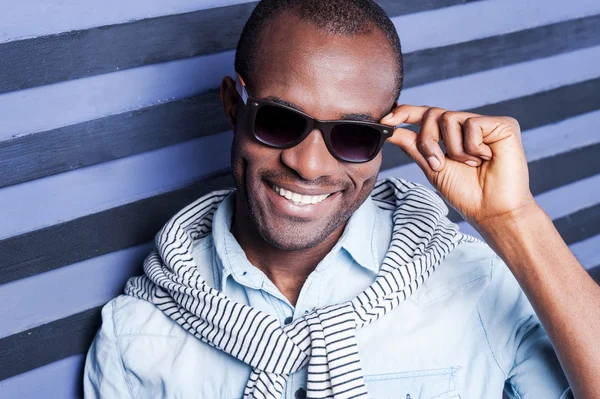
433,162
388,116
472,163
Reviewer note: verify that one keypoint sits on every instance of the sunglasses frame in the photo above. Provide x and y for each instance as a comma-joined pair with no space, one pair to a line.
254,104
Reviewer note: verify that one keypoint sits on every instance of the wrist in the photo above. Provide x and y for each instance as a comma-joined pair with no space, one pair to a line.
515,231
519,236
518,221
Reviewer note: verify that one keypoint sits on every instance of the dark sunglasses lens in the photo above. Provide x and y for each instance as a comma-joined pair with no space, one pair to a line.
278,126
354,142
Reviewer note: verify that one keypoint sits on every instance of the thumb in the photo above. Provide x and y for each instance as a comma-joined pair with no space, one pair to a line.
407,141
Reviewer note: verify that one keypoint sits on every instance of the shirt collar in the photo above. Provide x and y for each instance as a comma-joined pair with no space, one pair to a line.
229,255
360,236
359,240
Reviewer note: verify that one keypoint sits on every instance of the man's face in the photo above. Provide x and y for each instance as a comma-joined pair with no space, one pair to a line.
327,77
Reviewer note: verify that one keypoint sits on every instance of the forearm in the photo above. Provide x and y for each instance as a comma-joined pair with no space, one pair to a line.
563,295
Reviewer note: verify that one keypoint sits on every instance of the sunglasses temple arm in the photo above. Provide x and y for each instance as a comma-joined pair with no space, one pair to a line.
241,89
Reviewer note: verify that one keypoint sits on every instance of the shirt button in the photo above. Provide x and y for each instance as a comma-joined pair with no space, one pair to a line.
300,394
288,320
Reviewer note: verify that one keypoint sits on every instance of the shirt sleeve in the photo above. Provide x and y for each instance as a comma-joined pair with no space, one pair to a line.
104,374
517,340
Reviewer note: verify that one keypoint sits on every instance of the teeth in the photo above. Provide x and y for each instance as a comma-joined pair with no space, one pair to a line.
299,199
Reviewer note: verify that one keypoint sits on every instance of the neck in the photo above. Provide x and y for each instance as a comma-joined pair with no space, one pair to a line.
288,270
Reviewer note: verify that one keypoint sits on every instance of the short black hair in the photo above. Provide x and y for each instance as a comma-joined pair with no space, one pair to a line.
334,17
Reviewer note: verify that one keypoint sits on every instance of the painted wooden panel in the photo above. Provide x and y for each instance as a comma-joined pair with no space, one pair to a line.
539,109
128,133
425,66
23,212
82,100
108,128
438,28
587,253
57,380
551,157
32,18
69,102
94,51
98,279
33,348
550,140
88,190
562,204
81,53
97,234
112,137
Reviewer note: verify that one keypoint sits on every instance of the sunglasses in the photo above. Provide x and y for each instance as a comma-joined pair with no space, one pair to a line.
280,126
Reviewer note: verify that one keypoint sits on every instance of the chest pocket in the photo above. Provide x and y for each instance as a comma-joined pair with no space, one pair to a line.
419,384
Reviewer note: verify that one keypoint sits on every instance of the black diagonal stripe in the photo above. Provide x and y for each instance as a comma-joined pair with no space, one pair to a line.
88,143
77,54
48,343
579,225
396,8
81,53
549,173
595,273
531,111
97,234
548,107
461,59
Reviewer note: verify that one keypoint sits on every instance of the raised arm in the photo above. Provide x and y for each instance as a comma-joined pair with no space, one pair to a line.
484,176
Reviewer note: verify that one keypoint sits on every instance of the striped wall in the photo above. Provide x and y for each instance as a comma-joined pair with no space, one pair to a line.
110,122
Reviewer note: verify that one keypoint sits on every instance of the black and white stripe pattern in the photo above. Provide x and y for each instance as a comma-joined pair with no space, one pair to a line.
325,338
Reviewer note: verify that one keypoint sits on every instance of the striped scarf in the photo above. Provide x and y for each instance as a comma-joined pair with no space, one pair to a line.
325,339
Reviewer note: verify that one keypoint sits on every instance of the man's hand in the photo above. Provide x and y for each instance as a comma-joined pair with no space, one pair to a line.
484,173
484,177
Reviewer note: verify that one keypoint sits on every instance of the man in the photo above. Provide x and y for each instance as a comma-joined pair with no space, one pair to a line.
311,280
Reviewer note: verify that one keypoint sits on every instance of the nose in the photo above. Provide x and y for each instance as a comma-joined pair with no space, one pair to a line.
311,158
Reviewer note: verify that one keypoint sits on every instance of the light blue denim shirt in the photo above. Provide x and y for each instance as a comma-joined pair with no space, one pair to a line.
466,331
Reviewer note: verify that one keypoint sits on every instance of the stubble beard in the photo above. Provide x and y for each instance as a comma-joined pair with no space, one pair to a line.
295,234
292,236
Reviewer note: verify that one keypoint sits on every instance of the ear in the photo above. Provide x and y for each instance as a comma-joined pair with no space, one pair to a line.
230,100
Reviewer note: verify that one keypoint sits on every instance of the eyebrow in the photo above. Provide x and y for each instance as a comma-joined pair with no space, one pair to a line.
350,117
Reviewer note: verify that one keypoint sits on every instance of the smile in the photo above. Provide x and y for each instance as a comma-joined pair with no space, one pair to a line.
299,199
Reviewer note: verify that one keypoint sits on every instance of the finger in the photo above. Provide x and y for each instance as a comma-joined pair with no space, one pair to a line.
404,113
407,141
454,140
502,135
429,137
473,141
